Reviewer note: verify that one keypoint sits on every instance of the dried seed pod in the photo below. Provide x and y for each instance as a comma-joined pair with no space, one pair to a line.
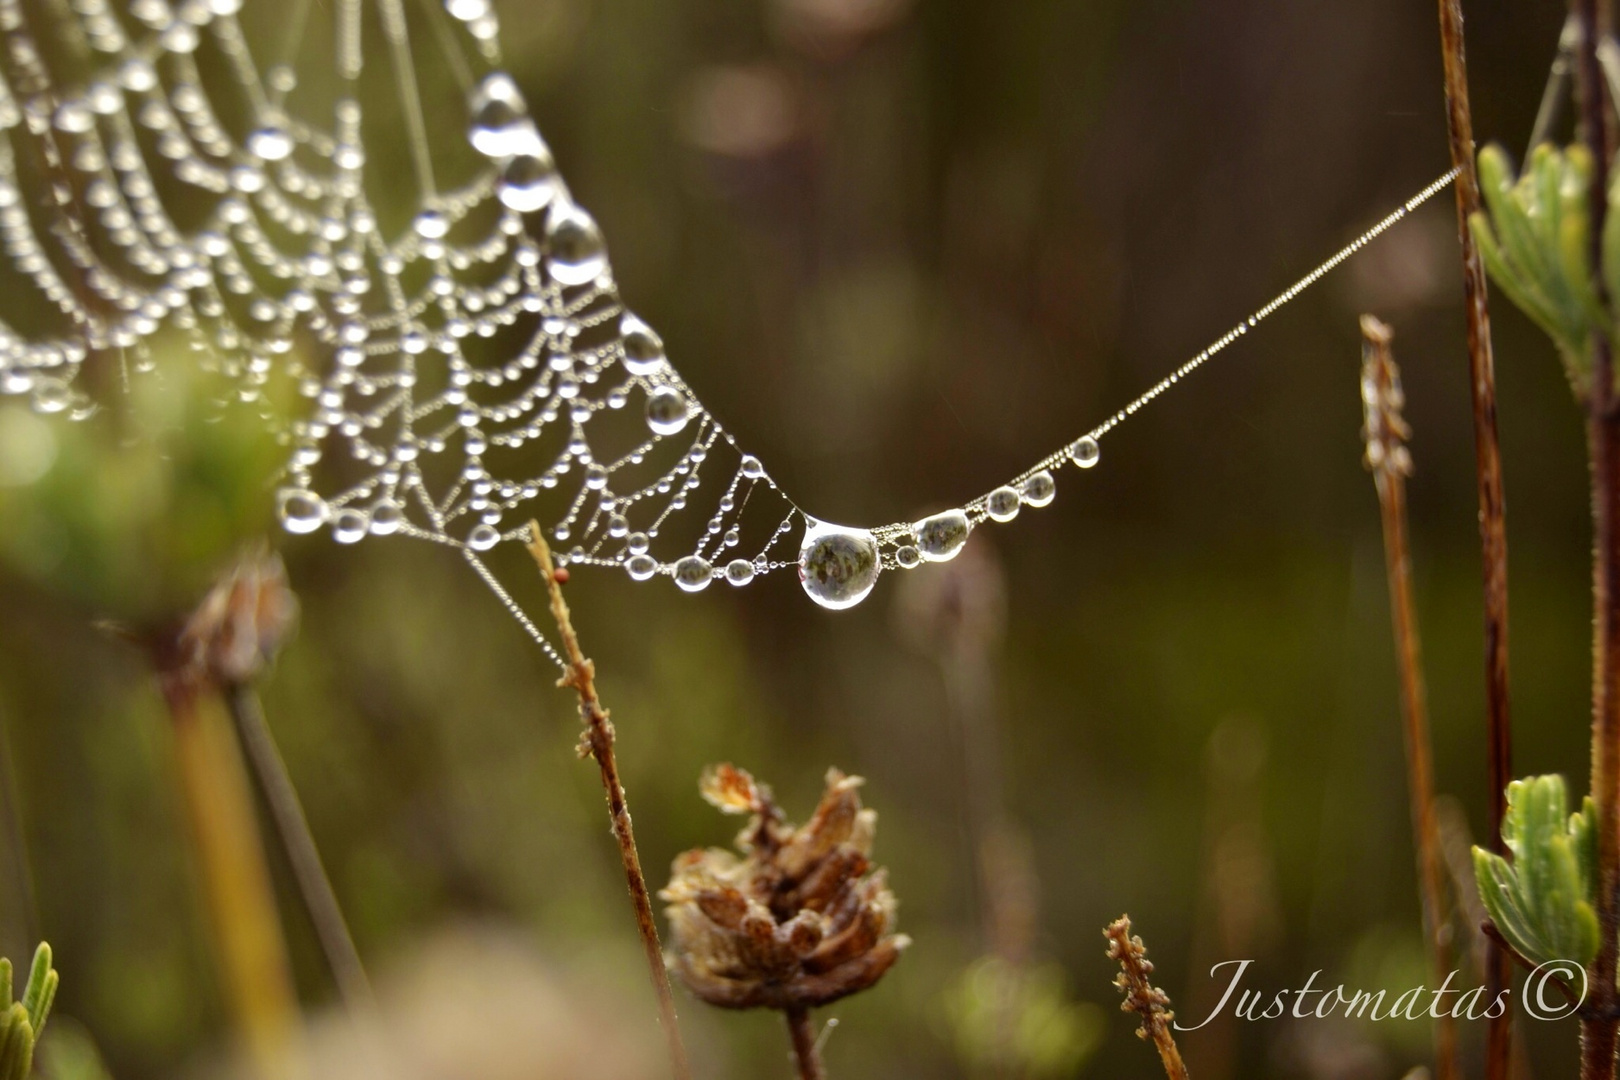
800,919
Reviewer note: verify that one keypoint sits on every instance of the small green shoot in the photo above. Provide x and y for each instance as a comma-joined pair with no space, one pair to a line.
1542,902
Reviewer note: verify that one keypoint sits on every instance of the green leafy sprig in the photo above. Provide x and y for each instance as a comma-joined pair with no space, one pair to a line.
1542,902
21,1022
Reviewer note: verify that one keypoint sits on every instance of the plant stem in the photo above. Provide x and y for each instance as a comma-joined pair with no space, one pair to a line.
1142,997
598,743
805,1053
1389,476
1488,469
1599,1027
248,942
287,814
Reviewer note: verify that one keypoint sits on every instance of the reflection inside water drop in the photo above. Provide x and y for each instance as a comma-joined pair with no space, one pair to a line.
837,565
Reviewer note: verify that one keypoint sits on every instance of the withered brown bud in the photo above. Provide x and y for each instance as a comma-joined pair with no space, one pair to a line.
242,622
800,919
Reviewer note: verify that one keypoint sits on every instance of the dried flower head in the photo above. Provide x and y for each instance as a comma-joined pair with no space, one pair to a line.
800,920
242,622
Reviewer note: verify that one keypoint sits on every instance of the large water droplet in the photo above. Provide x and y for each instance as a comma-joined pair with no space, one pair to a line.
528,182
386,517
596,476
578,254
837,565
1085,452
1040,489
1003,504
752,467
483,537
907,556
500,127
432,225
693,573
739,572
641,567
667,412
643,348
349,526
941,536
636,543
300,510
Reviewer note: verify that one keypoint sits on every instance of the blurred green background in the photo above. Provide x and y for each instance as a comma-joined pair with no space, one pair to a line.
903,248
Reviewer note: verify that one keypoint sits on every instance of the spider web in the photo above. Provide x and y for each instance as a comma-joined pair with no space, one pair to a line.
176,177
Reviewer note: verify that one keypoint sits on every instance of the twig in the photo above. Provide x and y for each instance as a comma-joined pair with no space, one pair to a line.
1391,462
598,743
287,814
1141,996
1488,469
806,1053
1599,1029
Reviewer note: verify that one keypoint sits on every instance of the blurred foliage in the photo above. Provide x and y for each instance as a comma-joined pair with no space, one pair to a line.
1543,901
1014,1021
133,516
904,250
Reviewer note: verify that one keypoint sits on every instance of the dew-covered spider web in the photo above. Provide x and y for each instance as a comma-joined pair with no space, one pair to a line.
256,187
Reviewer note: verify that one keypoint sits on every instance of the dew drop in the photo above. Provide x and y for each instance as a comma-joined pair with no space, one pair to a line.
837,565
752,467
270,143
739,572
1040,489
907,556
1085,452
693,573
617,526
528,183
667,413
483,537
349,526
596,477
386,517
941,536
499,127
300,510
636,543
643,348
578,254
1003,504
432,225
641,566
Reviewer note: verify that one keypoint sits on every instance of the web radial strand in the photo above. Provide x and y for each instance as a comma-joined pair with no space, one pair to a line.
459,346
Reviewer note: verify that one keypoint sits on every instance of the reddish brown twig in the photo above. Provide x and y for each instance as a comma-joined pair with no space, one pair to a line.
1141,996
597,742
1391,463
1599,1028
1488,470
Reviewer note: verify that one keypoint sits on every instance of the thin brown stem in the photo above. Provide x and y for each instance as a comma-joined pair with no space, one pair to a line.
597,742
1600,1028
806,1055
1488,470
1390,461
287,815
1142,997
